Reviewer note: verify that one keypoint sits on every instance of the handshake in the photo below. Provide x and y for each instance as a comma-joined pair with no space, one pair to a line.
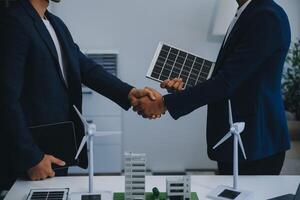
149,103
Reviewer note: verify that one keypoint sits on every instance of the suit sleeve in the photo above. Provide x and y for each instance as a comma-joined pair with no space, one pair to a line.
97,78
259,42
14,129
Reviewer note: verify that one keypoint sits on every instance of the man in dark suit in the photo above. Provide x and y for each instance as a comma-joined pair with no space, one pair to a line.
248,71
41,72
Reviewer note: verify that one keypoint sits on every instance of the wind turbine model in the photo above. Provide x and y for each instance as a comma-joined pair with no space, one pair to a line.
90,133
227,193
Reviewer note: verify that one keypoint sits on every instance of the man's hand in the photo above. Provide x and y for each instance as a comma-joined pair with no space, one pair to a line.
44,169
136,94
151,109
173,85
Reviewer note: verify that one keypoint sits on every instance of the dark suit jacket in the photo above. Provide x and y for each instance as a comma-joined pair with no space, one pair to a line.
32,88
248,71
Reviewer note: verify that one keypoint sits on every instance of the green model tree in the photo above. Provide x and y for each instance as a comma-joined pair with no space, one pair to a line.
156,193
291,81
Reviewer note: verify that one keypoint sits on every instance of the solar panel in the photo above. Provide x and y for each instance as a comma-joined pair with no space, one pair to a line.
48,194
170,62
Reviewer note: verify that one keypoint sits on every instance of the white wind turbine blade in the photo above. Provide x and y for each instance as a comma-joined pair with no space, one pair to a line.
83,141
228,135
242,146
106,133
240,126
230,113
85,124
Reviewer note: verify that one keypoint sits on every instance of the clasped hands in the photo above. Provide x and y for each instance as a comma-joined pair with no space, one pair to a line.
149,103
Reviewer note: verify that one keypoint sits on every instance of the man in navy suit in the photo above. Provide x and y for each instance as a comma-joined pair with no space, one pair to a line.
41,72
248,71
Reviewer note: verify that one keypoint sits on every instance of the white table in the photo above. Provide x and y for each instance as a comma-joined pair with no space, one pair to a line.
264,186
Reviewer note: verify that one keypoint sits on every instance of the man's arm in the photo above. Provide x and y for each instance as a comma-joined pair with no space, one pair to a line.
14,49
95,77
255,47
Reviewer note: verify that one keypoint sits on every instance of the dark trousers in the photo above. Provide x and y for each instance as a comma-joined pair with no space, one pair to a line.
268,166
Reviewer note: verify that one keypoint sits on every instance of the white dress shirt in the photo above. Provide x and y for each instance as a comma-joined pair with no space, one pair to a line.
58,48
235,19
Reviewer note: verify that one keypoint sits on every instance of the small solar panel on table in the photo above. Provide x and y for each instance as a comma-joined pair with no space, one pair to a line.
46,194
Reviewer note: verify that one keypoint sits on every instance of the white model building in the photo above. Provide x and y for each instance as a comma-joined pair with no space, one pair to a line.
179,188
135,172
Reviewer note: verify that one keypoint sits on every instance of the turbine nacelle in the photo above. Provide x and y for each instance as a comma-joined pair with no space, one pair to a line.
90,131
236,129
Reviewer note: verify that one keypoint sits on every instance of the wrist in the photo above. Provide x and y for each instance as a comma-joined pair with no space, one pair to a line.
130,93
164,105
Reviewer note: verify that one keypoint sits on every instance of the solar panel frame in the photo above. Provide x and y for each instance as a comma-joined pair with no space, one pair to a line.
195,75
48,194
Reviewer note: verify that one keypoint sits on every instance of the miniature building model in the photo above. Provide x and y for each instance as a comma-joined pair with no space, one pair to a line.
135,172
179,188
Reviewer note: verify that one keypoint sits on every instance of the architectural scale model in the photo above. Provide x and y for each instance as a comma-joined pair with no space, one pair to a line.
135,172
178,188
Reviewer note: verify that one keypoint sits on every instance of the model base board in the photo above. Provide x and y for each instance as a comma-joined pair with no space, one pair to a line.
228,193
149,196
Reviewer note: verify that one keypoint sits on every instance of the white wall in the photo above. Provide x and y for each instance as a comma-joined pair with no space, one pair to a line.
134,28
292,8
226,9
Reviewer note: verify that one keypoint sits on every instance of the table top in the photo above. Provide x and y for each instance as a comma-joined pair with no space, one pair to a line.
264,187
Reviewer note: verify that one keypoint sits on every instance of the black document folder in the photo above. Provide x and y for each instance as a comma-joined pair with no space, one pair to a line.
284,197
289,196
58,140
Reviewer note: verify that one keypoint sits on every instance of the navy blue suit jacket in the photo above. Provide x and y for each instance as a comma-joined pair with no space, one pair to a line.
248,71
32,88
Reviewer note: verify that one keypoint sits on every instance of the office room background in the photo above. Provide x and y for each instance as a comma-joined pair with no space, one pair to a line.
131,29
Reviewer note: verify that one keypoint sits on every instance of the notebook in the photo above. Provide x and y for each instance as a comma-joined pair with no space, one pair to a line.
58,140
